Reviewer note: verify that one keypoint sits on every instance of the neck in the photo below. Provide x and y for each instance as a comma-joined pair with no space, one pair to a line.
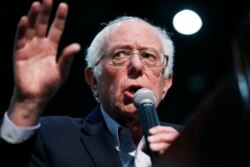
133,124
136,131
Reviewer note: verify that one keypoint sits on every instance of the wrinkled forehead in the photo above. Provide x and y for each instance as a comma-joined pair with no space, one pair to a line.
133,31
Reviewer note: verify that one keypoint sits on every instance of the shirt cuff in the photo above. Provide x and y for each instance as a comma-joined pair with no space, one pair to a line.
14,134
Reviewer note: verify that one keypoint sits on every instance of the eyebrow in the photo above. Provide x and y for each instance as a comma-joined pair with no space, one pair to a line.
128,46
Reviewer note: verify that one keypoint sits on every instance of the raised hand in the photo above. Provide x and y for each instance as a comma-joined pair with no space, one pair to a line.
39,70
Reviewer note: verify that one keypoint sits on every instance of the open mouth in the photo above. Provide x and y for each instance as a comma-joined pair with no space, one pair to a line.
132,90
130,93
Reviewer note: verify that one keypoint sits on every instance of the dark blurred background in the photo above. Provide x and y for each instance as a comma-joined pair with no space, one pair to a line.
202,60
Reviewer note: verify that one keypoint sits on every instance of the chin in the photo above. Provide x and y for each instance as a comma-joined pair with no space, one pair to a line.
130,111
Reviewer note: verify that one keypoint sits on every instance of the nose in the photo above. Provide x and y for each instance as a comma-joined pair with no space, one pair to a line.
135,66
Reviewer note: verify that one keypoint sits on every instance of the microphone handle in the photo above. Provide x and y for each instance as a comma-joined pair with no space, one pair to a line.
149,118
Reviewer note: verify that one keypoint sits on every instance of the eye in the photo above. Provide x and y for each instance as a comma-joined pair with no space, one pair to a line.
120,54
148,55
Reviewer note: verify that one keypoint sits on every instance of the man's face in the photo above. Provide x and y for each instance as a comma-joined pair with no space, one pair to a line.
117,85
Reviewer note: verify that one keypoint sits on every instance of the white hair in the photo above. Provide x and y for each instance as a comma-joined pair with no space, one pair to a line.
98,45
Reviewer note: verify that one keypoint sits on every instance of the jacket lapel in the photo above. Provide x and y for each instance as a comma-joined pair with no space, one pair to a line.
98,141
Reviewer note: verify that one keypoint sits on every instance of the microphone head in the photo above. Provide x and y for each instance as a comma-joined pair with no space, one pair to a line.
143,95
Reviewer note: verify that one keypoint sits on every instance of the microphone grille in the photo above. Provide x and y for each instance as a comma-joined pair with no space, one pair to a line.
143,95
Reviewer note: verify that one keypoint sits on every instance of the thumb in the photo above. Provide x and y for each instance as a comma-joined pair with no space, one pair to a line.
66,58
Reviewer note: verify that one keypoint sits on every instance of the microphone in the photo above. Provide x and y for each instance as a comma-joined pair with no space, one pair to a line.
144,101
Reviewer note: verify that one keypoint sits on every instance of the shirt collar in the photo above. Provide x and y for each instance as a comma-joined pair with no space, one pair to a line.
112,125
118,133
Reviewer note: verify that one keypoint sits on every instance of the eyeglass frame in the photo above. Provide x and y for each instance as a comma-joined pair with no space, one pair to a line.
131,53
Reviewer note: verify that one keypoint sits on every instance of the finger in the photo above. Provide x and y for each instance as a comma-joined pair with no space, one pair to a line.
166,137
159,147
162,134
58,24
20,33
66,58
32,17
43,18
162,137
161,129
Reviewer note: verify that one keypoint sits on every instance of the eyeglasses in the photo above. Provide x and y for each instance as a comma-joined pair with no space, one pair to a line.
149,57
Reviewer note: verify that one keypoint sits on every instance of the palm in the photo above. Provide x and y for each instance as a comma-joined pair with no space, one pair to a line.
36,68
38,72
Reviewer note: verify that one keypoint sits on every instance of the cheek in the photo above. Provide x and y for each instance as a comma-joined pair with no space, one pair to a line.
157,84
110,82
155,77
158,73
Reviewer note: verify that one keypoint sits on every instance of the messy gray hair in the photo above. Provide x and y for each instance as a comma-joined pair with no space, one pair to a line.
97,47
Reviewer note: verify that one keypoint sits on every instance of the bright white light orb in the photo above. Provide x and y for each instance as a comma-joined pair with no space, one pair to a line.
187,22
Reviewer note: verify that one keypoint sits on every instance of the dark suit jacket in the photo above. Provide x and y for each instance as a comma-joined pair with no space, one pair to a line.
63,141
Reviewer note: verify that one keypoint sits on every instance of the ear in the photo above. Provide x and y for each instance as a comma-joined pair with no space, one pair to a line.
167,84
91,80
